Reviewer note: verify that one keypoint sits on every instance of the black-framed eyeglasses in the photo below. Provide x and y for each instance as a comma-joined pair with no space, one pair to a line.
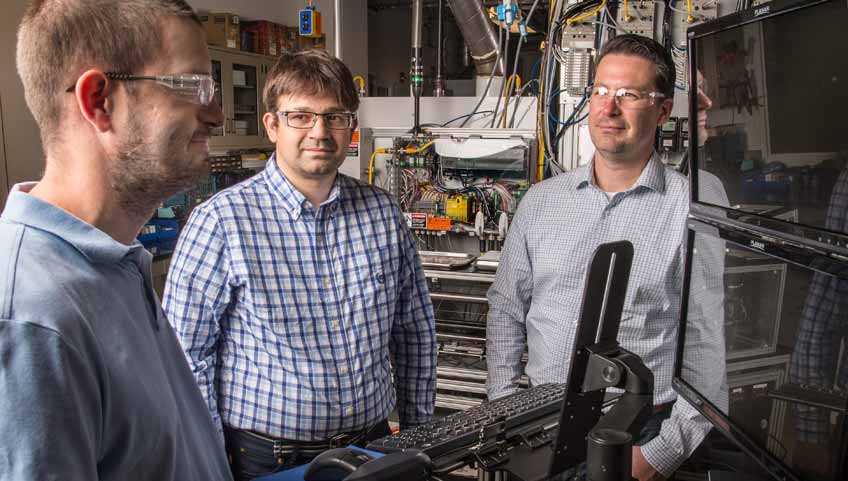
302,119
624,98
197,88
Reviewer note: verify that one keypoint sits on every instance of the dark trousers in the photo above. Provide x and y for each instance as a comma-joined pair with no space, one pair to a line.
253,455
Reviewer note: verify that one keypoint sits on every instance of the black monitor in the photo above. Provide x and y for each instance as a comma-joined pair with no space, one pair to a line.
763,355
775,138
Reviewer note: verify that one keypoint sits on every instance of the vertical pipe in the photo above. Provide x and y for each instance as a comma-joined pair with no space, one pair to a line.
337,27
439,89
416,69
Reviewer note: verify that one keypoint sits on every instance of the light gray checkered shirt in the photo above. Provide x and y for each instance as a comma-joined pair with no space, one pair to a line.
539,287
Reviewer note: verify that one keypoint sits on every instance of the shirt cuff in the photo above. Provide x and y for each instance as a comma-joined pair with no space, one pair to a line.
662,456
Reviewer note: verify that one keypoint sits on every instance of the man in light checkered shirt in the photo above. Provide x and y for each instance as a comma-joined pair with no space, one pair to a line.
298,294
625,192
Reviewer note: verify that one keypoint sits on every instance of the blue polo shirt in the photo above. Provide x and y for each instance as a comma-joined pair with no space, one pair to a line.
93,382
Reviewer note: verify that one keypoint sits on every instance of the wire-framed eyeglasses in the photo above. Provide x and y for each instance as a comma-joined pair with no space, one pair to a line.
197,88
302,119
624,98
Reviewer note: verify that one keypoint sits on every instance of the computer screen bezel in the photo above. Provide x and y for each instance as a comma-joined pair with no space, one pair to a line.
726,426
809,236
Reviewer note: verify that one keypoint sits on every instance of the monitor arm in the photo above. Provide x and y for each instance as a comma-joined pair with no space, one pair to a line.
609,449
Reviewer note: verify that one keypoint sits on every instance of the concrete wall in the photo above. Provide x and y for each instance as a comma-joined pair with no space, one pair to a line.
390,45
354,43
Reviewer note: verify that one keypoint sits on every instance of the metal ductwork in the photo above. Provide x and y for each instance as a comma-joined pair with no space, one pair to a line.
479,35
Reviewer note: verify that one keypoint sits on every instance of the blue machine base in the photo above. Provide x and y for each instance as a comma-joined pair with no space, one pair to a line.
296,474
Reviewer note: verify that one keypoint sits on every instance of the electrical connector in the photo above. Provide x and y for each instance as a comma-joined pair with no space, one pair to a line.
507,12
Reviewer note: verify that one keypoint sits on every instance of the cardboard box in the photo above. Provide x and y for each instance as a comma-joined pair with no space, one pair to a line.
222,29
290,38
312,42
265,37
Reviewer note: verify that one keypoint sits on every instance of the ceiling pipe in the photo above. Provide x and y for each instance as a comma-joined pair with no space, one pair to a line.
479,35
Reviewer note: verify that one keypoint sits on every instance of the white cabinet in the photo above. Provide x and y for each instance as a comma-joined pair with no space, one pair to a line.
240,78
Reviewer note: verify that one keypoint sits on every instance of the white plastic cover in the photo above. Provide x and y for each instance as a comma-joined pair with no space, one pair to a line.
474,148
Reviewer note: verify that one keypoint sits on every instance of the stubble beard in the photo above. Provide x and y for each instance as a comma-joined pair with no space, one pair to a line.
147,172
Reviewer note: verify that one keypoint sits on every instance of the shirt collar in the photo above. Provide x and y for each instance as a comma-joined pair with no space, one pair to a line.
93,243
293,200
652,176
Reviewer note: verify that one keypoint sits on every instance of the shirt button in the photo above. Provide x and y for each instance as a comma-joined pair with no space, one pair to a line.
335,324
328,282
343,369
349,411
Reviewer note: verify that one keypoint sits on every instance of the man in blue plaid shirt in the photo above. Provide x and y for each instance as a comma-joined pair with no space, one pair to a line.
298,295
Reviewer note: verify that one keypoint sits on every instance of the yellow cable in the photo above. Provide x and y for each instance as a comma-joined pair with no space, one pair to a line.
508,86
361,82
540,123
626,12
424,147
540,175
689,18
371,163
386,151
589,14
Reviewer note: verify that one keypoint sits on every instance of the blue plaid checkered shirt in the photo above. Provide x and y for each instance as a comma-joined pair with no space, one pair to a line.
303,323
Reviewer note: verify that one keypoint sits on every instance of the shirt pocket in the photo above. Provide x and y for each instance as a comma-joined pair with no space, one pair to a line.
372,287
287,324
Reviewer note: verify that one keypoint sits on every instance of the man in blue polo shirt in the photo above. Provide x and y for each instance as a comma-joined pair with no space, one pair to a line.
93,382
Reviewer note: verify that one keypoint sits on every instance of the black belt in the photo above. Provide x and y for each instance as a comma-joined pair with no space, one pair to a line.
241,441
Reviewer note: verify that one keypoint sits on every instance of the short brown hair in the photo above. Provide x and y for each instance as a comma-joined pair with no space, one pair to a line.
310,72
59,39
649,49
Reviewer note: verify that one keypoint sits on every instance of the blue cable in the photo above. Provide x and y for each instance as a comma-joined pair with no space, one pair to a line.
568,122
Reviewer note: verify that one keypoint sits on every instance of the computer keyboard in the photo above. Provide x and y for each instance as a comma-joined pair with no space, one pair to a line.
462,429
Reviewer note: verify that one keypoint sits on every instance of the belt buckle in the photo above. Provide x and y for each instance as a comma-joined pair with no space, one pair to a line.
340,440
278,453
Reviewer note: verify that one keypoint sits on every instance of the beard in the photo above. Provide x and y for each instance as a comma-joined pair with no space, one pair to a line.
317,168
151,167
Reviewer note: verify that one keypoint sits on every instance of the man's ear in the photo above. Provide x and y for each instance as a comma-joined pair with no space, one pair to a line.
665,111
92,93
271,122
